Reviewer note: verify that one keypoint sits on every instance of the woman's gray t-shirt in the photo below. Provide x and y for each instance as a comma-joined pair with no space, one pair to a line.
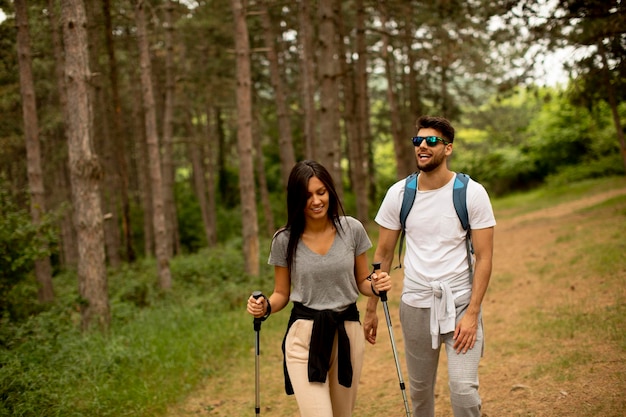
324,282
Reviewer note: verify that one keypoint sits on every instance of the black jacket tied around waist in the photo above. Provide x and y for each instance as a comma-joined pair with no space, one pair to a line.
325,324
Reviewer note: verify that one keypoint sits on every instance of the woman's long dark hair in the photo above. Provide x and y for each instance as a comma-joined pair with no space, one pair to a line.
297,196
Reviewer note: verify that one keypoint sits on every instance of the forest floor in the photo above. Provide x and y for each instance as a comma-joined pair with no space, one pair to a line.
526,371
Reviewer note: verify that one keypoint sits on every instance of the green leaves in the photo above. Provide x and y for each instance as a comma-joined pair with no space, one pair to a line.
21,243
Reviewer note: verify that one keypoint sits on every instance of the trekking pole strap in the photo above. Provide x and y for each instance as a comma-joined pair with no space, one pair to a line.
381,294
259,320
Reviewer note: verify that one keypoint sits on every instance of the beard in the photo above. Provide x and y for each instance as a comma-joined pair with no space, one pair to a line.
433,163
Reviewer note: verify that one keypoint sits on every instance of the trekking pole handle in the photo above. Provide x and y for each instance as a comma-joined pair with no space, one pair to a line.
257,320
382,294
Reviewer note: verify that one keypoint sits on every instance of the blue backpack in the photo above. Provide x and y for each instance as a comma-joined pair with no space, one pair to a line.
459,198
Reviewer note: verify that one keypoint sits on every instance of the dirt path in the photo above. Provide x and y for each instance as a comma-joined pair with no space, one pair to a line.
524,247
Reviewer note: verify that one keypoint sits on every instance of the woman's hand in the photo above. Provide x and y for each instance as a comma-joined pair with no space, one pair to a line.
257,306
370,325
381,281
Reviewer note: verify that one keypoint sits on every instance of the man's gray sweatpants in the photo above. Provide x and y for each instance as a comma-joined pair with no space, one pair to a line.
422,361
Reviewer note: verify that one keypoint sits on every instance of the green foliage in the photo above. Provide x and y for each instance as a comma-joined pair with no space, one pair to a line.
21,243
159,347
135,370
527,139
601,167
190,223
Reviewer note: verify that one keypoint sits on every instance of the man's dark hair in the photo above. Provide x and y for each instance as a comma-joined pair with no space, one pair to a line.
440,124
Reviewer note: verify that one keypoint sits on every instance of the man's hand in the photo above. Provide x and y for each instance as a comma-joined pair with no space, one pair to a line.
465,332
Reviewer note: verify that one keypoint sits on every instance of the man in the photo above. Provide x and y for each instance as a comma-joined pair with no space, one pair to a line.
441,302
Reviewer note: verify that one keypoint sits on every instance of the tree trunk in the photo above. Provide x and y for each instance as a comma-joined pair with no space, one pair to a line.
69,245
143,170
43,268
102,139
85,170
265,195
161,239
210,152
358,177
307,67
330,137
199,183
220,157
606,77
361,99
412,85
244,141
285,140
118,133
168,123
405,160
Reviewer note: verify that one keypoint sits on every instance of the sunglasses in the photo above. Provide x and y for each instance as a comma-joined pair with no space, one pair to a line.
430,140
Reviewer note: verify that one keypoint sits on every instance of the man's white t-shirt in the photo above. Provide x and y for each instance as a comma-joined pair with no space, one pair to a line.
435,239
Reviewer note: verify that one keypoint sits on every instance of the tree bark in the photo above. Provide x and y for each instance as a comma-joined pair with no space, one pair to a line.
143,170
412,84
405,161
210,152
69,246
330,136
356,155
285,139
161,239
118,132
103,141
85,170
263,190
606,78
244,141
362,116
194,150
43,267
168,128
307,67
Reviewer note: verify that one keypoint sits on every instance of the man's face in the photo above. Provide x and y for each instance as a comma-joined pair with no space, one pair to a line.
430,157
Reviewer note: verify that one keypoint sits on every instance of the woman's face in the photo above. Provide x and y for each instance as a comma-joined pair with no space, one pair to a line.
318,200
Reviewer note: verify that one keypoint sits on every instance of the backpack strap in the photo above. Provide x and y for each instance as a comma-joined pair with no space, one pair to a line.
410,189
459,198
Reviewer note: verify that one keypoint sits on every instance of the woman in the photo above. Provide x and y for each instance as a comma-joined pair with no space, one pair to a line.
320,264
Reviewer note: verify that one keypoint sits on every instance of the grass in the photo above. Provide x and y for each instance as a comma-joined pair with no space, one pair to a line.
543,197
161,346
587,330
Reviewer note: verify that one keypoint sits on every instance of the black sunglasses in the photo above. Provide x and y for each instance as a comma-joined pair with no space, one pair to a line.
430,140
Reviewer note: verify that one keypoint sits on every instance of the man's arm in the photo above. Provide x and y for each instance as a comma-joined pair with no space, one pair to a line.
387,239
465,332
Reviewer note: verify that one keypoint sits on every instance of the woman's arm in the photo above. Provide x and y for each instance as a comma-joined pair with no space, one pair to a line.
380,282
279,298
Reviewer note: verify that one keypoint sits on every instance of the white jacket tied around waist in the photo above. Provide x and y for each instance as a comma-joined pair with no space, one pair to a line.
442,306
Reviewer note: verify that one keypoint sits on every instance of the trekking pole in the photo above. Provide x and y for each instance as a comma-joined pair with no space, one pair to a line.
257,349
383,298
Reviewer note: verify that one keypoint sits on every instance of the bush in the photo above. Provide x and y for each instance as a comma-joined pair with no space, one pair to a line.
604,167
21,243
158,348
